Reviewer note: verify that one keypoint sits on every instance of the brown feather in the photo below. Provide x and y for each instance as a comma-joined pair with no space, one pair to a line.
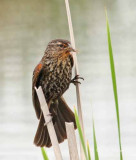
64,114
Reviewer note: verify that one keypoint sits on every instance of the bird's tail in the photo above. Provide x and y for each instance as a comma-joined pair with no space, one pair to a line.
60,115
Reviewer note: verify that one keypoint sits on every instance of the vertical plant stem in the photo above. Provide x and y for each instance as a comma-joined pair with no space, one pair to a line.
76,68
113,75
73,151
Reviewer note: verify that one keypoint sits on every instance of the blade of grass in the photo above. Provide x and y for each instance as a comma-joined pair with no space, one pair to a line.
95,144
80,134
88,150
45,157
114,82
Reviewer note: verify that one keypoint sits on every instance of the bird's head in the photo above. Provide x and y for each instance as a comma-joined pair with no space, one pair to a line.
59,48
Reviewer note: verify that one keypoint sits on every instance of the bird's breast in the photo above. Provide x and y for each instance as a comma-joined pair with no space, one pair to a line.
58,79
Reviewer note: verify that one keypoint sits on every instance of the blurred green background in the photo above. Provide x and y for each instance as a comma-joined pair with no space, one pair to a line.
25,29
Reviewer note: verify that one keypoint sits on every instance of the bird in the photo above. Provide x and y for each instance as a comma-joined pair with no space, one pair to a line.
54,74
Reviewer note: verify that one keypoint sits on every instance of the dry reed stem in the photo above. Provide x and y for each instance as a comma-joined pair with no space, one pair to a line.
73,151
50,127
76,71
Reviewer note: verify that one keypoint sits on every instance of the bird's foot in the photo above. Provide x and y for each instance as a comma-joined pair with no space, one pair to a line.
49,119
75,79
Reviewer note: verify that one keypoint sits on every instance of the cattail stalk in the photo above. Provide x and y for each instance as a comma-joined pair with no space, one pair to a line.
50,127
73,151
76,70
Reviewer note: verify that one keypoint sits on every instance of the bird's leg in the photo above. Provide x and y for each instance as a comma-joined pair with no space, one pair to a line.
50,118
75,79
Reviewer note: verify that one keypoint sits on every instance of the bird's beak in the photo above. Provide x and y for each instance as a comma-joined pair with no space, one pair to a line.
71,49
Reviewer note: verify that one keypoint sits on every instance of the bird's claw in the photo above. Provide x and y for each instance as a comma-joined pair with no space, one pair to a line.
50,119
75,79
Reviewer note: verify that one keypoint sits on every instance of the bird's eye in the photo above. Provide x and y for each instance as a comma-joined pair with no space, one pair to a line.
61,45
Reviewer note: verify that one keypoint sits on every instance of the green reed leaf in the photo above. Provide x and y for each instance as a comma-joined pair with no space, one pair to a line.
95,144
88,151
113,75
80,133
45,157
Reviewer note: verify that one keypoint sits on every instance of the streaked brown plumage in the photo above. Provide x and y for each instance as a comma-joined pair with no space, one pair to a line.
53,74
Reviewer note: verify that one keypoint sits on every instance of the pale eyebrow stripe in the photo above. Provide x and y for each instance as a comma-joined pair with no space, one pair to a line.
59,43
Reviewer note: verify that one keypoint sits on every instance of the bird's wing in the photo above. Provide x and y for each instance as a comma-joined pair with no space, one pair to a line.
35,83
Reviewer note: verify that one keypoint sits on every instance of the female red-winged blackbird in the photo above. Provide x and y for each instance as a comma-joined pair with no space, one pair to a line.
53,74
